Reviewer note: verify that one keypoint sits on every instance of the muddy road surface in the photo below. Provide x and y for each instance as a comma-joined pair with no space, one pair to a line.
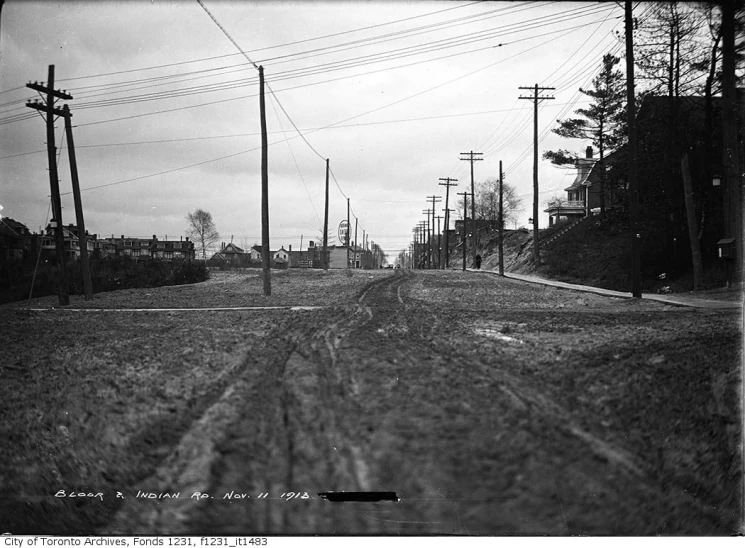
489,406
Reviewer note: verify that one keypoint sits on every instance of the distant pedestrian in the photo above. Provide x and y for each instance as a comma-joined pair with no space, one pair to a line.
478,262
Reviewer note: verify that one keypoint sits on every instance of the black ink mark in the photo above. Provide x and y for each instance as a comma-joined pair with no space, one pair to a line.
360,496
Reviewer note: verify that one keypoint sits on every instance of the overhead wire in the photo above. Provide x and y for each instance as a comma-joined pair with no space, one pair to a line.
114,103
303,72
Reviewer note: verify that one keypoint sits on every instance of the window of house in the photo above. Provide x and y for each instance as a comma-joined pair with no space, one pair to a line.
161,245
127,243
177,245
169,254
135,252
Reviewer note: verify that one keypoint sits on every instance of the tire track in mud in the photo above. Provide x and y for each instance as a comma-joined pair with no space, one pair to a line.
279,427
365,397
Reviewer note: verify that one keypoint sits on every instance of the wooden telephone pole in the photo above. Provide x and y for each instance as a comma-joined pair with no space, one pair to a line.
472,158
731,160
636,287
325,258
535,100
59,237
439,243
264,190
82,236
347,234
501,222
448,182
435,200
355,242
465,224
428,240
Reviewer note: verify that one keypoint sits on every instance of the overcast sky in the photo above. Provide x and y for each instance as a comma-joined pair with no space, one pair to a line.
166,110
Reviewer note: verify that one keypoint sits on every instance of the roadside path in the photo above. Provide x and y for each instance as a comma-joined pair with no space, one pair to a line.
674,300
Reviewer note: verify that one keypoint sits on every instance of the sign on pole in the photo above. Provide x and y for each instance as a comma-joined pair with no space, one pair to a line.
343,232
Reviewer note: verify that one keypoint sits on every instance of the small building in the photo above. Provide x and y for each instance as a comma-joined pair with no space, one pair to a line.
230,255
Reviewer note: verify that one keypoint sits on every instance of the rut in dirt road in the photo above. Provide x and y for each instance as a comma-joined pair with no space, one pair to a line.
279,428
388,394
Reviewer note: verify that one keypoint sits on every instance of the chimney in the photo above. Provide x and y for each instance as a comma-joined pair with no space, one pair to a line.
223,245
122,236
154,237
290,248
588,152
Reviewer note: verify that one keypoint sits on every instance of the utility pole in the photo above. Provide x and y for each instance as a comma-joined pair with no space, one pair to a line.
439,244
59,236
447,184
422,252
325,258
435,199
428,241
82,237
636,284
446,245
730,153
415,243
348,233
264,190
471,158
501,223
535,100
364,250
465,225
355,242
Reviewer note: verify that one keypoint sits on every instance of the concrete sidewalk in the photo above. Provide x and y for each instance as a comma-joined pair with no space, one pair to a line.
678,299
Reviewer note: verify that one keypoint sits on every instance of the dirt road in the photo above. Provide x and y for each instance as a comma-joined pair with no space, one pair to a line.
487,405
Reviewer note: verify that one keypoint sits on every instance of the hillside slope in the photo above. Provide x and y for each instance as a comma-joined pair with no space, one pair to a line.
595,252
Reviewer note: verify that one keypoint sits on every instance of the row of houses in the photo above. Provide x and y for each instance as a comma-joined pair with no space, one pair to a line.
19,243
232,256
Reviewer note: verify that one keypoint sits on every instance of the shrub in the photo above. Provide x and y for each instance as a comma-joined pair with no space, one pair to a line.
107,274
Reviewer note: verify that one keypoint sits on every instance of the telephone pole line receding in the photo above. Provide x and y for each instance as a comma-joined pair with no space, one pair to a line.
465,224
428,240
435,199
447,184
59,237
264,189
471,158
347,234
535,98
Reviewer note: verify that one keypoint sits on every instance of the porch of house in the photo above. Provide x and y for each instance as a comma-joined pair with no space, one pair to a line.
565,209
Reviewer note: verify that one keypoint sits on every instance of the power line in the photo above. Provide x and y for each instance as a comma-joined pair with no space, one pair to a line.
259,49
320,69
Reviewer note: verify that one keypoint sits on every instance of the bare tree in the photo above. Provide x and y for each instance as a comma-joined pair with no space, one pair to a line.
202,230
487,201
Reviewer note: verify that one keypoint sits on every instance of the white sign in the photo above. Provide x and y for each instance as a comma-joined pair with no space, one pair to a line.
343,231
